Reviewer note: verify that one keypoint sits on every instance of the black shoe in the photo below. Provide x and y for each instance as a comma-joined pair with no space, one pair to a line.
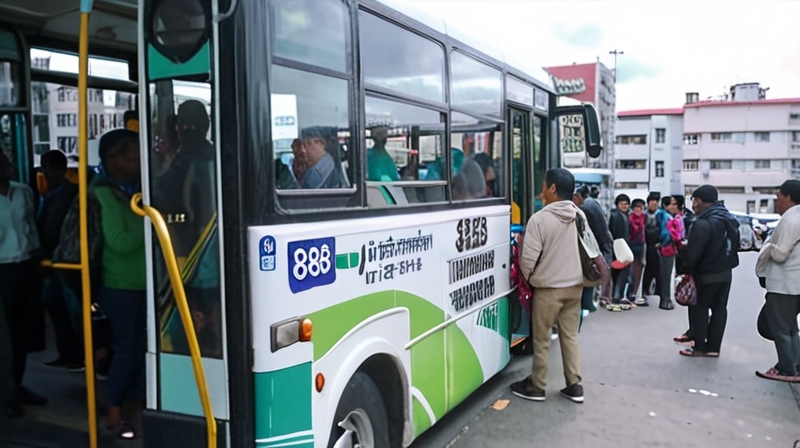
75,366
525,389
573,393
27,397
666,305
57,363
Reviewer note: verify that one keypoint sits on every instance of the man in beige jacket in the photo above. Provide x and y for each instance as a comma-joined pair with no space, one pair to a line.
551,262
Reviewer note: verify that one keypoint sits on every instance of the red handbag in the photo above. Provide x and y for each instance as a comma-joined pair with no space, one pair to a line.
686,291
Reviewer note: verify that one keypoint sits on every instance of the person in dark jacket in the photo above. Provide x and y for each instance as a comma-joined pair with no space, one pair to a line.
597,222
711,254
620,227
650,283
53,209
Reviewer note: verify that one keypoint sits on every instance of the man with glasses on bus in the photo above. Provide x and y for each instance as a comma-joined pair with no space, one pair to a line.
551,263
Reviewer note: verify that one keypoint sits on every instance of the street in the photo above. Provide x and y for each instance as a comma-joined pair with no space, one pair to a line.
639,391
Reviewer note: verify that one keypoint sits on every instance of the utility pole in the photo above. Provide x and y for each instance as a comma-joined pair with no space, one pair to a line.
615,52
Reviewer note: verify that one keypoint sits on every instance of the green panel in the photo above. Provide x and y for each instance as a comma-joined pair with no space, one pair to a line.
464,372
159,67
283,403
503,314
421,419
347,261
9,47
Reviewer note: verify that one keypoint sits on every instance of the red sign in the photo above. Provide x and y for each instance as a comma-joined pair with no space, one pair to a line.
575,81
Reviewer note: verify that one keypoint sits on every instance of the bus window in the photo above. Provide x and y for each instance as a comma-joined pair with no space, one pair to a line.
404,144
477,159
475,86
539,162
397,59
314,32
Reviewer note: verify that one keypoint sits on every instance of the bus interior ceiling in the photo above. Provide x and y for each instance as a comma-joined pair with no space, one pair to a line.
53,25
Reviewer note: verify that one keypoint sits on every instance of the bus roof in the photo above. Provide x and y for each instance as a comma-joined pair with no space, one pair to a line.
54,24
513,62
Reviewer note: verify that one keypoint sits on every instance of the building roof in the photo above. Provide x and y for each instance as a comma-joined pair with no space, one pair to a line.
648,112
742,103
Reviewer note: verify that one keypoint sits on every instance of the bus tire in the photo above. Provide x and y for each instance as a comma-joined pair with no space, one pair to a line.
362,403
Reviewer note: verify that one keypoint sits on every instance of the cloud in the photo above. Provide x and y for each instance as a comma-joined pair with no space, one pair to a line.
584,36
630,69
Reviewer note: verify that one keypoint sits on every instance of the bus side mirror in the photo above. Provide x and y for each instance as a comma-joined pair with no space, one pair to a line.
579,129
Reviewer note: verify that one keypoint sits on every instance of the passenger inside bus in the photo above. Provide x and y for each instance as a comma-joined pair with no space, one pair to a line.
321,144
380,165
59,194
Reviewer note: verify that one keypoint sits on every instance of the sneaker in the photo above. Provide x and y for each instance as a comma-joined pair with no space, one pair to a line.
641,301
573,393
554,334
75,367
525,389
57,363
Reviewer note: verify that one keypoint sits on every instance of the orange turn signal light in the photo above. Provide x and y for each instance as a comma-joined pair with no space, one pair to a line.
305,330
319,382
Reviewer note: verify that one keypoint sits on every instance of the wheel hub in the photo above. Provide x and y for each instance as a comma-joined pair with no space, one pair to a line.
357,431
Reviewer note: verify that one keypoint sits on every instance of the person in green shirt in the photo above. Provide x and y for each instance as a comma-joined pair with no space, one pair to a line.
123,296
380,166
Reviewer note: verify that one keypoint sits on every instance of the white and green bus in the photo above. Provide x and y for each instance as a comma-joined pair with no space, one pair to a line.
339,179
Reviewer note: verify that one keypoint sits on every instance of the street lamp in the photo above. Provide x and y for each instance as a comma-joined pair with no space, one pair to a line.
615,52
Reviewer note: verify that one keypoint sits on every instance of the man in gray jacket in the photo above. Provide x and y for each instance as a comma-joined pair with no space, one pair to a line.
779,266
550,261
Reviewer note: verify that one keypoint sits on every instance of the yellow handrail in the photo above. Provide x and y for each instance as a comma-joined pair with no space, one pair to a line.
160,226
63,266
83,117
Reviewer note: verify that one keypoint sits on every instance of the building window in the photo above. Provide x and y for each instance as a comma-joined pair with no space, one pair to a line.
688,190
794,119
762,136
764,190
630,186
764,206
763,164
751,206
731,190
691,165
795,136
631,139
631,164
68,145
691,139
725,137
661,135
659,168
721,165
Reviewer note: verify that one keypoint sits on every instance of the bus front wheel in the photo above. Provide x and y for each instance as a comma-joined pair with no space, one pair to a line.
360,420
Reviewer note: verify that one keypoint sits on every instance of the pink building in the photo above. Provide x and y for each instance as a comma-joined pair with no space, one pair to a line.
745,145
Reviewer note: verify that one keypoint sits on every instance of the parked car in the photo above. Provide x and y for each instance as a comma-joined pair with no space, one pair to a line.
767,223
749,233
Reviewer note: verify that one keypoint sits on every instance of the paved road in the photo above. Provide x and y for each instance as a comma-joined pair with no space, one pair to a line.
639,390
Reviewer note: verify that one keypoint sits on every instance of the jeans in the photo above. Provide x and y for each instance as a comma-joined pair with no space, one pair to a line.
620,281
708,332
20,291
127,314
781,312
551,306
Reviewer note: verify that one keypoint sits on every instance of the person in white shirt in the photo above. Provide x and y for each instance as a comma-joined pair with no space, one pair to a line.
778,266
20,283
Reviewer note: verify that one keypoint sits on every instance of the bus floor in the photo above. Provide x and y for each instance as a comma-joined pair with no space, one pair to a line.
62,422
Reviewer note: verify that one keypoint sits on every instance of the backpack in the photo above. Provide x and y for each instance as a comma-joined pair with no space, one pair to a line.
69,248
651,228
732,242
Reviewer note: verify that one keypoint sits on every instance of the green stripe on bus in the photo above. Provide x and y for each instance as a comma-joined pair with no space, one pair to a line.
283,401
347,261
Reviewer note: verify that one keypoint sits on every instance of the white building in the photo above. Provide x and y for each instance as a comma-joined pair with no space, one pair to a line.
648,156
743,144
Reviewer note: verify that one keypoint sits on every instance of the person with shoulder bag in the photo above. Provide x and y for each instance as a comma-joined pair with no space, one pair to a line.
778,267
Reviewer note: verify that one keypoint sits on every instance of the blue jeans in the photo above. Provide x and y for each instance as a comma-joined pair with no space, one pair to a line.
127,314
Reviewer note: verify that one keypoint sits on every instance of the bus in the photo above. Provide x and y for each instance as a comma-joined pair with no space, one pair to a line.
294,297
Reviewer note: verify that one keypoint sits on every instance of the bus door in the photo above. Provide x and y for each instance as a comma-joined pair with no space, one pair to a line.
14,102
522,184
180,159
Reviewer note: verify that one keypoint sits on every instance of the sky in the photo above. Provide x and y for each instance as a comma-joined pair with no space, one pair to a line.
670,47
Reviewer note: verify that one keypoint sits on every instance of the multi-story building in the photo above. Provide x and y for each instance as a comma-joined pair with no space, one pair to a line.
648,152
55,116
744,144
591,83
